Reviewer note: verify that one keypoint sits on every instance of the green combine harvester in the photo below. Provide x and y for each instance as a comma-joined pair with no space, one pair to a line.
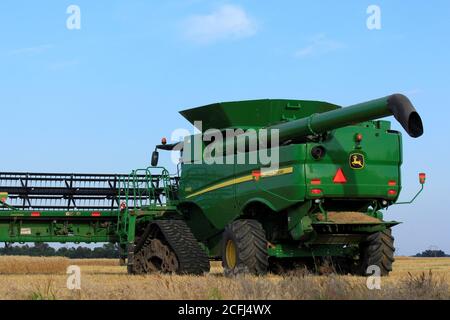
337,168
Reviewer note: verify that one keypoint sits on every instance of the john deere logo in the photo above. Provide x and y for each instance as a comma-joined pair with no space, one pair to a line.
357,161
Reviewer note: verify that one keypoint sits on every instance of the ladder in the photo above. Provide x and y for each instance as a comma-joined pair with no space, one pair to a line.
144,191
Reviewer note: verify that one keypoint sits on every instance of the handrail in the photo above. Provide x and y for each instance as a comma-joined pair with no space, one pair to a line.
144,192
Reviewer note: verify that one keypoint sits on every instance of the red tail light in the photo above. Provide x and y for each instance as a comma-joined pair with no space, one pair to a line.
392,192
316,192
392,183
35,214
316,181
96,214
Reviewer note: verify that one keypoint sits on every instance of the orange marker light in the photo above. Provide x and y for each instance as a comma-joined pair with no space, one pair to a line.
392,183
316,181
256,174
422,178
358,137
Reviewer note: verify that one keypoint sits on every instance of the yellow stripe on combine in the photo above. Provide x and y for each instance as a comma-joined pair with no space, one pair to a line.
222,185
278,172
247,178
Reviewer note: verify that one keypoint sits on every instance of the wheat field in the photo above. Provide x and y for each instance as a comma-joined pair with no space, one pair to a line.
45,278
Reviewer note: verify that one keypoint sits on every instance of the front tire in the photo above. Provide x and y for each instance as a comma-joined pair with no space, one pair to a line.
244,248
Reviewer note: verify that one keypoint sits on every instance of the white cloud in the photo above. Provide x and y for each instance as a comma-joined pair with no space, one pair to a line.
31,51
227,22
319,44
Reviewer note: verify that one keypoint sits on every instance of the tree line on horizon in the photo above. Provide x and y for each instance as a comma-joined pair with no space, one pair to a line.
432,254
111,251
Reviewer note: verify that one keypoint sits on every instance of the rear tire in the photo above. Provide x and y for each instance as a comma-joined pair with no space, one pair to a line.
378,250
244,248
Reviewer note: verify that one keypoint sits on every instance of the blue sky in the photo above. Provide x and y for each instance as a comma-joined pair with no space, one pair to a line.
98,99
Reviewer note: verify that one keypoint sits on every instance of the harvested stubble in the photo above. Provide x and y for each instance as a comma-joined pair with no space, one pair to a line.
410,280
94,262
33,265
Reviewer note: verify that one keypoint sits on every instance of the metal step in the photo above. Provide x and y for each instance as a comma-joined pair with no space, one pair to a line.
67,191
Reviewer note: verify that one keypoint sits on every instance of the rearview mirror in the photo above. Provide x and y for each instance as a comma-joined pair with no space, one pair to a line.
155,158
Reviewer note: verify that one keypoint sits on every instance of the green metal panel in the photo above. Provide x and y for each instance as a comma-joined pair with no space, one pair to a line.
278,191
381,152
57,229
292,250
218,205
223,191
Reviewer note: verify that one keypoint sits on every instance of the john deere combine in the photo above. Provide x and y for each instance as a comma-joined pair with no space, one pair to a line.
335,169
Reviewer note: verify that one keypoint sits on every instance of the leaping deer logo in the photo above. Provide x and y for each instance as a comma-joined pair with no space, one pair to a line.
357,161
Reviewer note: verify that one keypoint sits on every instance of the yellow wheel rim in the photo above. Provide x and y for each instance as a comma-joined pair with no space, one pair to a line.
230,254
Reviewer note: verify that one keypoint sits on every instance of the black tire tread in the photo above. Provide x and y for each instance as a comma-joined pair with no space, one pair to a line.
378,249
251,248
192,258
